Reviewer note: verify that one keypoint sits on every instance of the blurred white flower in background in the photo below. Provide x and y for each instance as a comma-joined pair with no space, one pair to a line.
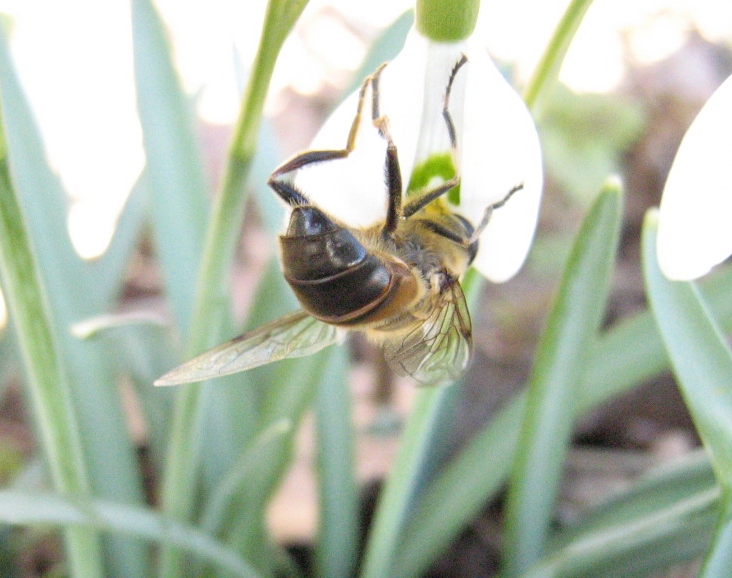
497,148
695,220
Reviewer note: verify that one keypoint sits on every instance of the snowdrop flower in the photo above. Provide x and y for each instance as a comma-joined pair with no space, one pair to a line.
694,229
497,148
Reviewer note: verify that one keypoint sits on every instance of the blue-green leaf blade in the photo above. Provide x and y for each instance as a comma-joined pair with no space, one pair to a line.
561,359
174,171
702,363
24,508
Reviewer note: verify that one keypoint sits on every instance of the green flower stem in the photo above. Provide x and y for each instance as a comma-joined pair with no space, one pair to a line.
446,20
47,384
547,71
210,309
228,210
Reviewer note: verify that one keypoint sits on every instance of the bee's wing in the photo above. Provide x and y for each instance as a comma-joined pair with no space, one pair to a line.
438,350
295,335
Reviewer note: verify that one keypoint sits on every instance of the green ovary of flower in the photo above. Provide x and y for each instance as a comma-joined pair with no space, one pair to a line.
439,165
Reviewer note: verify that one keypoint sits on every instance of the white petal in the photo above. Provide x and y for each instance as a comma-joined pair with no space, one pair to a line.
498,147
500,150
694,230
353,189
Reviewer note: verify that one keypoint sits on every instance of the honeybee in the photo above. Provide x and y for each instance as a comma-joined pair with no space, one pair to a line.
396,281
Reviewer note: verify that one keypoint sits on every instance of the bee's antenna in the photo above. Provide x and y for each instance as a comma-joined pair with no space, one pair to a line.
446,102
489,212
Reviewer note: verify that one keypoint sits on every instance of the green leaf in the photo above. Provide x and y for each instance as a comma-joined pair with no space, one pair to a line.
112,265
386,47
660,488
338,530
635,547
74,290
174,173
139,345
23,508
702,364
665,518
211,311
561,358
396,498
628,354
547,70
48,387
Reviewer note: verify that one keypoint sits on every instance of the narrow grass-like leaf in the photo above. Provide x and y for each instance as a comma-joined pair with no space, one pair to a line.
176,181
632,351
71,280
337,540
222,508
667,517
561,358
217,513
223,231
635,547
703,365
43,199
286,391
398,493
422,541
60,437
174,172
699,356
140,346
236,403
75,291
210,314
658,489
25,508
547,71
441,511
9,359
627,355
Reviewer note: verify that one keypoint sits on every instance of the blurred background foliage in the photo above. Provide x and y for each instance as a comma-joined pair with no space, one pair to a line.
118,321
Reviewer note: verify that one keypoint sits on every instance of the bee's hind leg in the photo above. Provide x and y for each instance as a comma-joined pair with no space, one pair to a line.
290,193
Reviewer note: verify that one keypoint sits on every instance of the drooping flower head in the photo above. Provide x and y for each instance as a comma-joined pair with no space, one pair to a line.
497,148
694,230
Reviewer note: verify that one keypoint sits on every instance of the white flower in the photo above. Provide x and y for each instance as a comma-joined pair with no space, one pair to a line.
498,147
695,219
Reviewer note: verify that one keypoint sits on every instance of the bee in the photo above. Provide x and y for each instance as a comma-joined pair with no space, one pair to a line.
396,281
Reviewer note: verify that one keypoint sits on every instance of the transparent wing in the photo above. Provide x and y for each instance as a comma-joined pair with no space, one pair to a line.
438,350
295,335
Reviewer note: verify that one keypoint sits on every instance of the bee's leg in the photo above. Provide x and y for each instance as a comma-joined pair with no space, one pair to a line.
391,168
393,179
288,192
489,212
427,197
